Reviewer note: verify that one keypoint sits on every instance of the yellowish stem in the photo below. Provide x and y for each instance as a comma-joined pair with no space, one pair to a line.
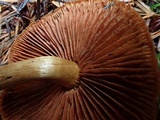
47,68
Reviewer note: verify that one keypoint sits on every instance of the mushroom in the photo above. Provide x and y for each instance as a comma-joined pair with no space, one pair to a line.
111,71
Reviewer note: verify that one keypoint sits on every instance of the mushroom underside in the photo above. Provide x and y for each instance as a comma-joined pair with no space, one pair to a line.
115,55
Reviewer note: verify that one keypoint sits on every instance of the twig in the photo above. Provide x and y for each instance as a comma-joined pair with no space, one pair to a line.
8,28
17,26
38,9
1,48
13,1
155,34
57,4
145,9
6,35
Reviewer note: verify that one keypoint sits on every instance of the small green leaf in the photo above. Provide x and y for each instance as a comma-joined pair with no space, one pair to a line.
156,7
158,58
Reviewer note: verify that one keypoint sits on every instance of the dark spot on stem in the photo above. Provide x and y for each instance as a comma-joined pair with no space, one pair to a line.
9,77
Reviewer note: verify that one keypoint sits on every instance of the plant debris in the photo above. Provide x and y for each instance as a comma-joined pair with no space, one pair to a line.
15,17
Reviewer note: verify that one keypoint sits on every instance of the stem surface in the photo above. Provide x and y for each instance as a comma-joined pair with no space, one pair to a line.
47,68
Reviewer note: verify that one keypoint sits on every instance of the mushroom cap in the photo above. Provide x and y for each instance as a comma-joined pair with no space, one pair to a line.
115,54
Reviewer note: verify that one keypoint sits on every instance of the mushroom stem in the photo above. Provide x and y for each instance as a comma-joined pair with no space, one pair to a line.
47,68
